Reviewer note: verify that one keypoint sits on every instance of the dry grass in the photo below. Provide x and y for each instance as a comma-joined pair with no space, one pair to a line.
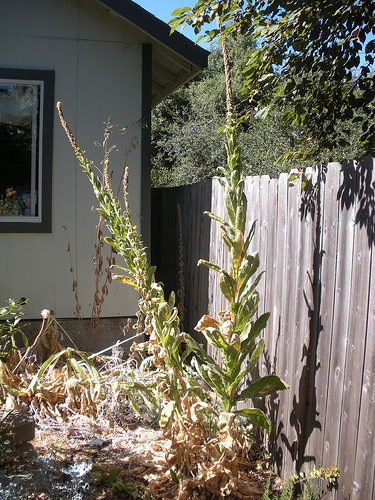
75,397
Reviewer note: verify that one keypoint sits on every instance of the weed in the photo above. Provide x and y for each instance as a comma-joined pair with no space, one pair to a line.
75,289
234,333
181,291
101,289
301,486
206,443
10,328
112,479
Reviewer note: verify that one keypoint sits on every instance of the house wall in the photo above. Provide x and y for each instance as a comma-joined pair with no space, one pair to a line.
97,59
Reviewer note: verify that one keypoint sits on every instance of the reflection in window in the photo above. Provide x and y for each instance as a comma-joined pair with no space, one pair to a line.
20,133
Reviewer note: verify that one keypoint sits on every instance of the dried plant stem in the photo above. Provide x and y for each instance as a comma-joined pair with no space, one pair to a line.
100,292
75,290
96,354
228,80
30,349
65,333
181,291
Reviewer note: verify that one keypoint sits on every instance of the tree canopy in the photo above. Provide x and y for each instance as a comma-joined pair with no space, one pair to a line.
186,145
314,57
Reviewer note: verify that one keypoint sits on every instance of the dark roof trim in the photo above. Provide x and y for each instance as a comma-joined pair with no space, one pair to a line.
159,30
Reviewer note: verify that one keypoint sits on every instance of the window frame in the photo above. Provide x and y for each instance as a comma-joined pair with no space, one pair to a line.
42,223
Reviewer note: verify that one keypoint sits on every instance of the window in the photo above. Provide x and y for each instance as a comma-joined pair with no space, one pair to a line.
26,120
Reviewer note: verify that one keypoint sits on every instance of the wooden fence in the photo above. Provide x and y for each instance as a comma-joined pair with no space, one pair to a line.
316,249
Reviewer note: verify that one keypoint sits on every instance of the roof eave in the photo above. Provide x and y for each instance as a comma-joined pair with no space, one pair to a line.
158,30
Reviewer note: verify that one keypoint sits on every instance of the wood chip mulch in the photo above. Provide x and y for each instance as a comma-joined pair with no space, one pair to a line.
53,466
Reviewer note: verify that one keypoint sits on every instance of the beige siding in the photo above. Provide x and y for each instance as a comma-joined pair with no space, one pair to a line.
97,59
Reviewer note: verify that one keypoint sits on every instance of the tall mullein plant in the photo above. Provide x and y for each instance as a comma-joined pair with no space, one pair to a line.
235,333
161,320
125,239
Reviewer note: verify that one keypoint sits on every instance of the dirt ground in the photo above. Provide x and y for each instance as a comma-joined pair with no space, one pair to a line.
83,463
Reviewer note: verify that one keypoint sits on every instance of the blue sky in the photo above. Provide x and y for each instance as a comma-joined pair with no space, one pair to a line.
163,10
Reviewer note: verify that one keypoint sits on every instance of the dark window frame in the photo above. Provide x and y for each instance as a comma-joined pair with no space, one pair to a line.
44,225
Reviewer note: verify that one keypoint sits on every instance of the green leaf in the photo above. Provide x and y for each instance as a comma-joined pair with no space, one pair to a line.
217,218
246,293
241,214
226,284
227,240
166,414
256,416
252,362
250,236
12,390
113,473
25,340
255,330
246,311
265,386
125,280
103,213
237,249
210,265
42,369
230,204
180,11
113,243
79,370
215,338
150,274
173,476
90,366
201,353
133,402
214,380
247,268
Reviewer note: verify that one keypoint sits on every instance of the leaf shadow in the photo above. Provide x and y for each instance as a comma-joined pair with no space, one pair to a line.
358,188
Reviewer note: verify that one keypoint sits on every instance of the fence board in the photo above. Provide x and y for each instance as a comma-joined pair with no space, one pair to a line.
342,294
363,482
270,275
317,251
364,468
354,358
323,336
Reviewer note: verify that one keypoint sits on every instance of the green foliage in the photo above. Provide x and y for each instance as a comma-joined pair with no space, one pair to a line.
112,479
235,333
186,145
308,58
12,203
304,481
10,327
185,404
79,379
161,321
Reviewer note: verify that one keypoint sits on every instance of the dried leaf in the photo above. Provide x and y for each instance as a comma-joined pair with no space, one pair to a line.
206,322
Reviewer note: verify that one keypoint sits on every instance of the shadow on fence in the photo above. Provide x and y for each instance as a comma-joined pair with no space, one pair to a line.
320,289
358,188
